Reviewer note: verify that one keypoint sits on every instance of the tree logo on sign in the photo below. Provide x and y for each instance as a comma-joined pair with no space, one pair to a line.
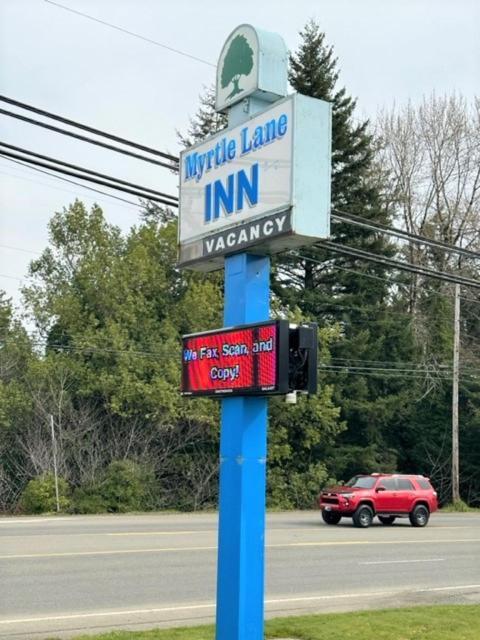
238,62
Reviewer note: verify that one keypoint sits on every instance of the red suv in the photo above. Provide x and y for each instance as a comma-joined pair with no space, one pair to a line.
387,496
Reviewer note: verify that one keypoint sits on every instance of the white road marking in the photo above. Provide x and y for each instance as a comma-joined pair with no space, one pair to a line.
110,552
156,533
211,605
113,552
269,531
34,521
404,561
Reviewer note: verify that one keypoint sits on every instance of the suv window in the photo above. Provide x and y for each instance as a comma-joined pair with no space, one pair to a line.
390,484
423,483
361,482
404,484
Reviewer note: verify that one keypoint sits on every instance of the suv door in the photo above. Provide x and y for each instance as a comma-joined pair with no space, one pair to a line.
386,495
405,494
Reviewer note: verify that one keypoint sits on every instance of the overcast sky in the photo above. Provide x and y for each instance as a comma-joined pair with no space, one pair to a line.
388,51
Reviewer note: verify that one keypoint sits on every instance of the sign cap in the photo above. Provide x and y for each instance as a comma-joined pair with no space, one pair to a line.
252,62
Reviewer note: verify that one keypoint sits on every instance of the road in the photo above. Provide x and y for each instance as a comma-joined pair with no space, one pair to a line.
60,576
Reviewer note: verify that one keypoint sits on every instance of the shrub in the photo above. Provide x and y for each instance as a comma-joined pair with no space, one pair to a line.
87,499
125,486
291,489
459,506
39,495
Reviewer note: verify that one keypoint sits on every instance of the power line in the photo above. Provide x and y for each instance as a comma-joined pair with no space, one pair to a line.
71,191
77,136
354,219
396,282
172,353
395,264
78,184
426,371
405,363
76,174
131,33
394,376
384,374
89,171
84,127
4,275
8,246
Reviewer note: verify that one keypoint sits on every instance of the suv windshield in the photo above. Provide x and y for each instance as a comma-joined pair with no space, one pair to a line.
361,482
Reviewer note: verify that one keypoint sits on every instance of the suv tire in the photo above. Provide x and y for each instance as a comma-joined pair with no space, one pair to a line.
387,520
363,516
331,517
419,516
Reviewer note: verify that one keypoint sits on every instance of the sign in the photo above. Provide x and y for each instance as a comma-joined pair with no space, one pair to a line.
244,360
245,64
234,185
258,187
248,234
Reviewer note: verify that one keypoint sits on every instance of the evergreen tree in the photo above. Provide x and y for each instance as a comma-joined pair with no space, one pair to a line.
206,121
331,288
355,189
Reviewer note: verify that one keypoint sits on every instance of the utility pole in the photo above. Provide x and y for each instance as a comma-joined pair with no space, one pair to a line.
55,471
456,362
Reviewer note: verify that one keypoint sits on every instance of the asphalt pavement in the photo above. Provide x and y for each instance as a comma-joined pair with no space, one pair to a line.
60,576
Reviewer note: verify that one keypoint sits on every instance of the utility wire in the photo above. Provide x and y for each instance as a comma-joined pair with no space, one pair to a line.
4,275
132,33
76,174
398,283
172,353
8,246
78,184
354,219
159,357
389,262
375,365
89,171
77,136
84,127
408,376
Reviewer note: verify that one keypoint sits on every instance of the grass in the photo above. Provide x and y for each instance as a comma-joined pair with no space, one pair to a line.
452,622
459,506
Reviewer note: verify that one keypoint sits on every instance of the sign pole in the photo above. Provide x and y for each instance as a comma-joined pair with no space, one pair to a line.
243,450
261,185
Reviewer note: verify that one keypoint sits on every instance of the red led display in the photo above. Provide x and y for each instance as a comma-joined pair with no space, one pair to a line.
239,361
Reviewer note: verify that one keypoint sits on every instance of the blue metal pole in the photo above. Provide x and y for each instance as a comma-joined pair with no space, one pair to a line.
243,451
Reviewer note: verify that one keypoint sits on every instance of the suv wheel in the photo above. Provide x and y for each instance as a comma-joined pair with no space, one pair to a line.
363,516
331,517
387,520
419,516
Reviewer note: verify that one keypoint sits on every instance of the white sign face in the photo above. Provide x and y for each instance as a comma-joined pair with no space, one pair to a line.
263,185
237,70
237,175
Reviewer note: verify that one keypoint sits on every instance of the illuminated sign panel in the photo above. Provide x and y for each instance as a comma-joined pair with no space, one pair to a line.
245,360
264,184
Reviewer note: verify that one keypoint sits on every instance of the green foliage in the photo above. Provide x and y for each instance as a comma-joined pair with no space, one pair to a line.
206,121
125,487
88,499
442,622
459,506
112,307
39,495
298,436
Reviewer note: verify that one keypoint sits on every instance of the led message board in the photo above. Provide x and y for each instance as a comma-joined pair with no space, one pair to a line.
244,360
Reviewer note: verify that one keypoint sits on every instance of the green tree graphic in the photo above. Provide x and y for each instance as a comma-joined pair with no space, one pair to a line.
238,62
